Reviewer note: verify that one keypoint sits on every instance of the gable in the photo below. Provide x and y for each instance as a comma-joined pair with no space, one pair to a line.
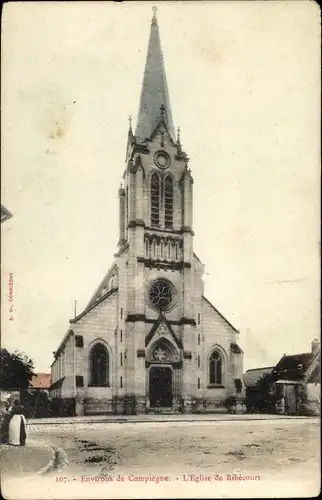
96,305
162,329
161,132
206,304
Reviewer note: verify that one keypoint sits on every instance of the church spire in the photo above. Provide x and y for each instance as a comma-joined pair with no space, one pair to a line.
154,92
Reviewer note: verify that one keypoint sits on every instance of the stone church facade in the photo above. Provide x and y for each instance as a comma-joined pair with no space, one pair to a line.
149,340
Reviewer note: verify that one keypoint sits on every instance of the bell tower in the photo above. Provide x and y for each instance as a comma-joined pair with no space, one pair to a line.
156,227
156,193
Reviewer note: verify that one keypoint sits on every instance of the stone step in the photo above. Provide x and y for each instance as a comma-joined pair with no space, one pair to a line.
161,410
98,407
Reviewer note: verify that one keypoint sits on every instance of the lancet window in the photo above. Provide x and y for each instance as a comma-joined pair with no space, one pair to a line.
168,202
155,200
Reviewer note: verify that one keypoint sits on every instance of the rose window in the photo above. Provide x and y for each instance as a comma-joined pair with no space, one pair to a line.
161,295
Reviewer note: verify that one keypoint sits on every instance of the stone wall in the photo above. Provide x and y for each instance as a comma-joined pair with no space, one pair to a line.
217,333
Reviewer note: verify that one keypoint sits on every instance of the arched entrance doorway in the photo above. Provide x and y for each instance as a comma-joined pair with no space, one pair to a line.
160,386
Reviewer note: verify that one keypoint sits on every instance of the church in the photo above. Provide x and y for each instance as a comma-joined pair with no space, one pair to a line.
149,340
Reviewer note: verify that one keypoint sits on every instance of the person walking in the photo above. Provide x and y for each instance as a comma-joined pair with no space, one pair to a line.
17,425
4,422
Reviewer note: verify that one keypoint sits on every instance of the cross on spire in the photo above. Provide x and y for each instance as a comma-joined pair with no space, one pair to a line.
130,122
154,17
162,110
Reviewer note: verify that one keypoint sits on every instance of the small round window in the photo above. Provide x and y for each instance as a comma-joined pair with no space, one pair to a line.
161,295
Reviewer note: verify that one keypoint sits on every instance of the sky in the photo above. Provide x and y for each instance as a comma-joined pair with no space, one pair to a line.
244,81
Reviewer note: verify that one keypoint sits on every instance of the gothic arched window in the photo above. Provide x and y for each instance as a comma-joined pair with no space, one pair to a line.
155,200
168,202
216,368
99,366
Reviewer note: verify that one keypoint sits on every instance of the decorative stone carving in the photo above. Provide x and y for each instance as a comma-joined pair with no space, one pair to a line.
163,351
162,330
161,354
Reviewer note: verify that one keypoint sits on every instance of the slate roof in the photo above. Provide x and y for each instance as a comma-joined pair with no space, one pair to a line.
293,367
251,377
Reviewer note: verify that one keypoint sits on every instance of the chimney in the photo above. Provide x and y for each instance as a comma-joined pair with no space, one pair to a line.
315,345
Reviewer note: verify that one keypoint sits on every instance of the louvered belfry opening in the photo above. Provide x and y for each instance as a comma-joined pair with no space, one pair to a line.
168,202
155,200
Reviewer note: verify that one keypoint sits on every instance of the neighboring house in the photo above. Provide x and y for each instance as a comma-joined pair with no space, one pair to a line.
297,382
292,387
5,214
254,388
40,382
35,399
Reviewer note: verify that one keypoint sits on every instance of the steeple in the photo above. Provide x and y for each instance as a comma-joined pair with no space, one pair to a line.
154,94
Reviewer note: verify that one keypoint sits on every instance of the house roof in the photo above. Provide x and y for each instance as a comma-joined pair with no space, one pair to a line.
251,377
293,367
41,381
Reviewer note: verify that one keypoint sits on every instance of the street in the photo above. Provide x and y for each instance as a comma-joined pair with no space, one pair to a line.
237,458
